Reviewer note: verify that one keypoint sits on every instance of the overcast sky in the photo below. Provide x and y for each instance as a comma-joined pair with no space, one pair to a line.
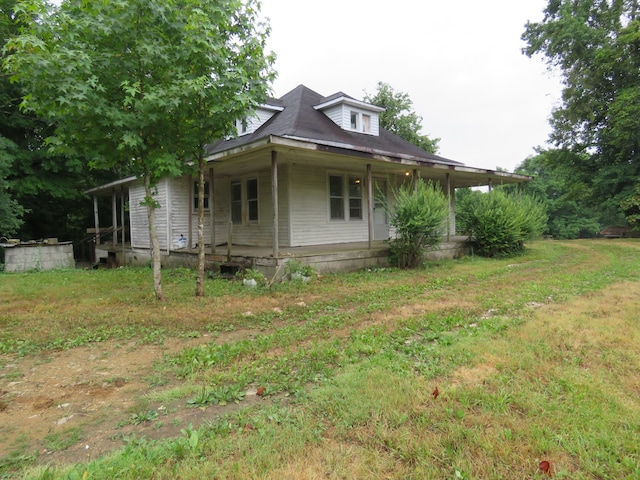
459,61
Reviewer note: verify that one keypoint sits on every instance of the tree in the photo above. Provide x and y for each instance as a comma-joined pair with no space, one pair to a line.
229,75
400,118
596,46
46,188
132,83
565,196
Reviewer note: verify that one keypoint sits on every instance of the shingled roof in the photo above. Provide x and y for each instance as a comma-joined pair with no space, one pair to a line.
301,121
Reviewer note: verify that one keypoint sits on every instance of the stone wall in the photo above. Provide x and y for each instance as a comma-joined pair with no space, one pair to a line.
22,258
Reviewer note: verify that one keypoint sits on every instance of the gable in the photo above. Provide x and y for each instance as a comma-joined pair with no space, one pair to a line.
262,115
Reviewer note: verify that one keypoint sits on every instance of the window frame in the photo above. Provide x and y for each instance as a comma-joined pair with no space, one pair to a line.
346,197
357,118
240,208
195,196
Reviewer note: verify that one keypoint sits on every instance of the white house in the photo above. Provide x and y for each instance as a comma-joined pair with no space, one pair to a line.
306,176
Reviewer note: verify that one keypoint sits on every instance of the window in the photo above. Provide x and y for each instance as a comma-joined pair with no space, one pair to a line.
195,196
360,122
244,201
252,200
243,126
354,120
236,203
336,197
355,198
366,123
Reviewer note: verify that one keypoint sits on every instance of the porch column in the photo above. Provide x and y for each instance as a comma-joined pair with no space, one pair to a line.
114,217
451,200
212,211
370,204
415,179
96,222
122,215
190,215
490,185
274,196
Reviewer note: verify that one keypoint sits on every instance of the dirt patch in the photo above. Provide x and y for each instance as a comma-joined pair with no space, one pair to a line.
94,390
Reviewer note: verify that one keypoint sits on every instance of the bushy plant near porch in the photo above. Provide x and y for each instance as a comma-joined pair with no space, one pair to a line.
419,217
499,223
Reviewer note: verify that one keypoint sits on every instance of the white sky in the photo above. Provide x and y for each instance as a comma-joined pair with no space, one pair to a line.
460,62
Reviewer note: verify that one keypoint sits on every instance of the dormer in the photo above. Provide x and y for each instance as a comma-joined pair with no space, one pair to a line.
351,114
263,113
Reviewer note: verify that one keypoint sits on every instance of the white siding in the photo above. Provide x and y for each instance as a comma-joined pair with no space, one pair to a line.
179,214
255,234
311,224
336,114
138,215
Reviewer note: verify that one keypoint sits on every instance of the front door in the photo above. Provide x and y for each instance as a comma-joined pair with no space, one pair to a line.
380,216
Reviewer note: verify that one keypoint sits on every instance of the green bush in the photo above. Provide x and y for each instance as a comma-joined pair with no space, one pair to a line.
419,217
500,223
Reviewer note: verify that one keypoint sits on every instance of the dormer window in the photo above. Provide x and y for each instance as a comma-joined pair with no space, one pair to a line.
262,114
360,122
242,125
352,115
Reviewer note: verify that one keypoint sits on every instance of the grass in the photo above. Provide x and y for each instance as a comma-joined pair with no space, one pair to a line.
535,357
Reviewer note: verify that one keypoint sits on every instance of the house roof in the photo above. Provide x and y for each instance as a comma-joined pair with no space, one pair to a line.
298,120
301,120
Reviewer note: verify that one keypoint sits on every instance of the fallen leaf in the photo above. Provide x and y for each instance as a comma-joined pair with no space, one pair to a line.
261,391
545,466
435,392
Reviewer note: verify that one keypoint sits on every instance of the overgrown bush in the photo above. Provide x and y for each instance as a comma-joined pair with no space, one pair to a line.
419,217
500,223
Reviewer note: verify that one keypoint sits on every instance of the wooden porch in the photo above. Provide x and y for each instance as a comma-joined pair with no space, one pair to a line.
324,258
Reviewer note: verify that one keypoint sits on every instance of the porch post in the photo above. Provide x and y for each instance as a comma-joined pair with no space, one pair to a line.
212,211
274,196
449,205
451,189
122,215
122,224
114,216
96,222
415,179
190,215
370,204
490,185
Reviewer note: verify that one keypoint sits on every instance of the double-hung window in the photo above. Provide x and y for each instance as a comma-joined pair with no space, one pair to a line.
355,198
336,197
244,201
195,196
345,197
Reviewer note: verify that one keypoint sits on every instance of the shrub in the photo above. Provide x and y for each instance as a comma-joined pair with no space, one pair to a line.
500,223
419,217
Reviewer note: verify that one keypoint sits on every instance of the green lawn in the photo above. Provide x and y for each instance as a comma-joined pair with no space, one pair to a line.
535,358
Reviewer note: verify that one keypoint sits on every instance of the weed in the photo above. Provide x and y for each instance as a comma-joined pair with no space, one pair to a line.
221,395
141,417
61,440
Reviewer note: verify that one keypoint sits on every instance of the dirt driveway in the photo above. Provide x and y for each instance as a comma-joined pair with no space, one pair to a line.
91,398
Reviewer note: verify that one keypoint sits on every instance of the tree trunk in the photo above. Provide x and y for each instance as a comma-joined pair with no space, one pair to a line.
200,272
153,235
